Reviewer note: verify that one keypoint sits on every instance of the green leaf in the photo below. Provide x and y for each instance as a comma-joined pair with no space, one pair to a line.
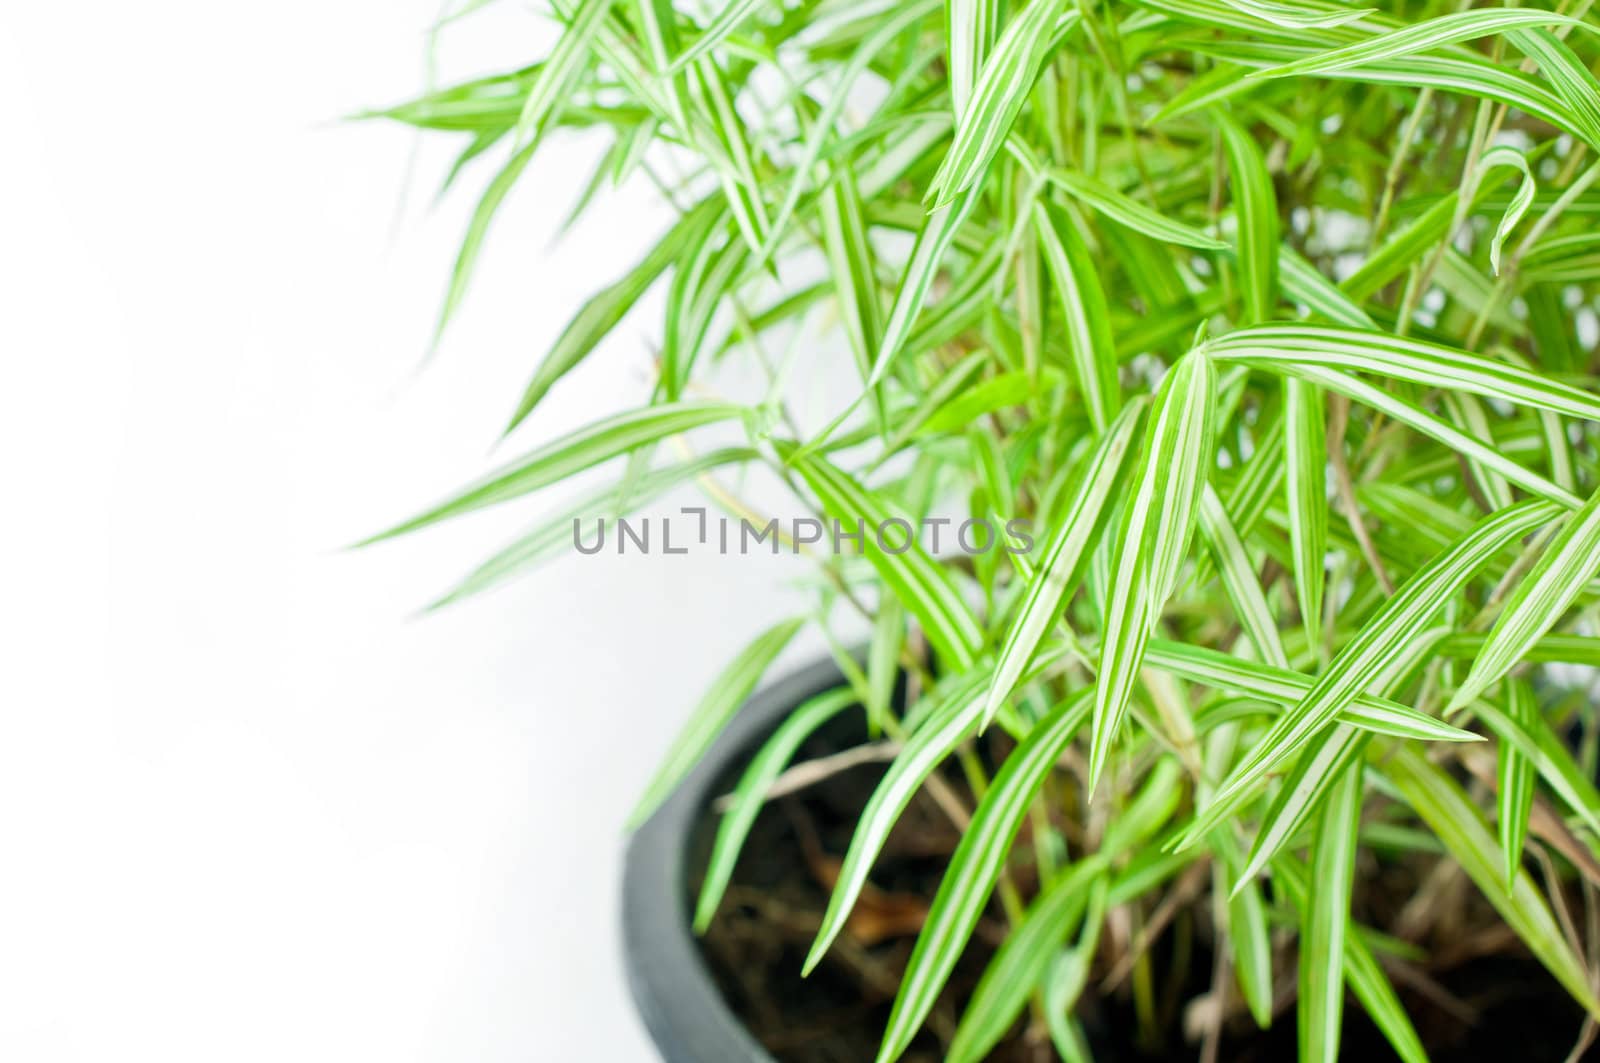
552,88
751,793
1373,649
1570,76
968,404
1520,202
969,29
1304,791
1256,210
1248,936
1003,85
916,579
733,160
601,313
951,722
1402,249
1319,295
850,262
716,708
1305,450
1279,686
1239,580
1124,210
871,182
1069,975
730,18
555,533
1083,312
974,869
477,229
561,458
1534,740
1299,16
1361,971
1421,37
1022,962
1440,802
1539,600
933,239
1515,781
1414,416
1326,919
1064,557
1429,364
1564,649
1157,524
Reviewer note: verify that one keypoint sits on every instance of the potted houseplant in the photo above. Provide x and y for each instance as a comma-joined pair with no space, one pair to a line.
1242,351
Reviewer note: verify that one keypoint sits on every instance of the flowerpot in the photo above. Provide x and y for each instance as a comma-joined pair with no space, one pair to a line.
683,994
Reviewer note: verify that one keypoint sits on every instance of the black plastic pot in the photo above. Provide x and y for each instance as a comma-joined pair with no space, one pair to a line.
675,993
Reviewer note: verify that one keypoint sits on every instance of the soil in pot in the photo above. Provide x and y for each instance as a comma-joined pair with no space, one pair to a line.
1478,997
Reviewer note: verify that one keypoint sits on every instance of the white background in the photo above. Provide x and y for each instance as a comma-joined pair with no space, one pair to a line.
251,808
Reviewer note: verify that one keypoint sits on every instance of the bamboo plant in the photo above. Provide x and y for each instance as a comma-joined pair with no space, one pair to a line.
1275,320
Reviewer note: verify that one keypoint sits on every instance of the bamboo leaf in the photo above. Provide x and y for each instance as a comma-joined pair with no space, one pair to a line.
1239,580
1374,648
1003,85
571,454
733,158
920,583
1083,312
1361,971
751,793
1440,802
1420,362
1256,211
1124,210
1421,37
949,724
1504,156
1064,557
1305,451
969,29
554,533
1157,524
1282,687
1328,757
716,708
967,404
850,262
1539,600
1248,935
1022,962
1534,741
477,230
1570,76
1299,16
1515,780
1414,416
733,15
933,239
597,317
974,868
1326,920
1069,975
551,88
